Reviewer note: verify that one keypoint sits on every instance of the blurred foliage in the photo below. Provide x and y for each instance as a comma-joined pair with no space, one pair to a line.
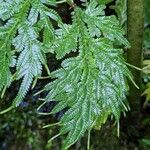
20,129
147,38
145,141
146,46
146,71
147,12
147,93
146,68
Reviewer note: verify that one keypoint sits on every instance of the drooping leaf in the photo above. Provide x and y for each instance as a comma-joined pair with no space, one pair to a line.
21,33
92,85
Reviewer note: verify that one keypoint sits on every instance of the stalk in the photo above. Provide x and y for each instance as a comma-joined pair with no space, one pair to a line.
135,28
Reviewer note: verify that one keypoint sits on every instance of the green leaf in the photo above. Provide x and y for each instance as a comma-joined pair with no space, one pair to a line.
121,10
92,85
25,20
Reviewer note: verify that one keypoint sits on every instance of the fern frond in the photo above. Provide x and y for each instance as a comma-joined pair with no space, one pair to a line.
10,8
24,21
70,35
29,61
8,31
121,10
92,85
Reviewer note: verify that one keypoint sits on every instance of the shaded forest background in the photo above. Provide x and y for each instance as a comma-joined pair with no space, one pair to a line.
21,129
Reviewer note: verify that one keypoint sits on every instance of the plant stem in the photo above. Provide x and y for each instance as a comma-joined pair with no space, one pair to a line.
135,26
